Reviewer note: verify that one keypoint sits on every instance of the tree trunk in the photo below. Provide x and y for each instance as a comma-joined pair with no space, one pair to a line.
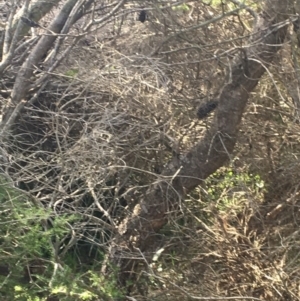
137,233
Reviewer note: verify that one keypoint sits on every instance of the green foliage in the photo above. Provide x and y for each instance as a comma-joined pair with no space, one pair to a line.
21,293
108,286
218,3
228,188
181,8
26,248
72,72
70,290
213,3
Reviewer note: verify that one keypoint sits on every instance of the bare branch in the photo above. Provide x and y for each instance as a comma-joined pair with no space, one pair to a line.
209,154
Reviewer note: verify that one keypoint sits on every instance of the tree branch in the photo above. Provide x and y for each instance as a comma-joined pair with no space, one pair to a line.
186,172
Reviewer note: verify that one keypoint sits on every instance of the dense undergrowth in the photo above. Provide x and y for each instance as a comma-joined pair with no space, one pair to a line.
112,115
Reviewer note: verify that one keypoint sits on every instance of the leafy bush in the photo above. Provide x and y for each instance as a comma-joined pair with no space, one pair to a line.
30,269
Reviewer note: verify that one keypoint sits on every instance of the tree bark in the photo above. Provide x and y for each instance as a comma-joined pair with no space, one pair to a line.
137,233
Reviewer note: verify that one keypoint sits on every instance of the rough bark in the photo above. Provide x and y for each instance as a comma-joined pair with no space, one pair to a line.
185,172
